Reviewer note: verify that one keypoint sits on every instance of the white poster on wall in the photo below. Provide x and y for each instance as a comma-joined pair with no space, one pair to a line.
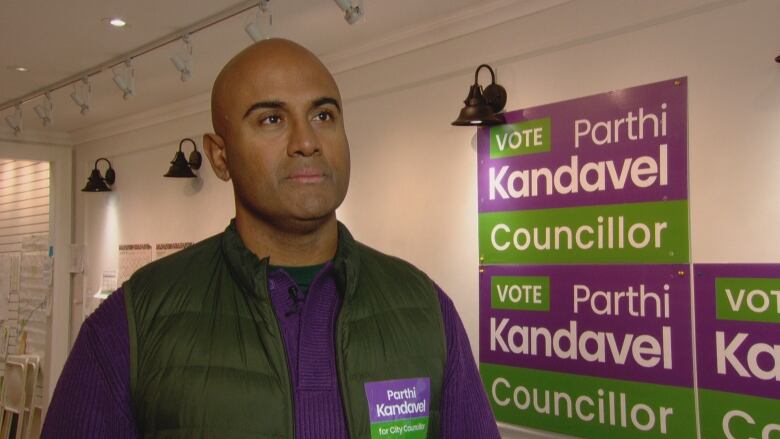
131,258
108,284
162,250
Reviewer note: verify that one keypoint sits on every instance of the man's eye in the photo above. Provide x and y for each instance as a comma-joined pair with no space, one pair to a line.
271,120
323,116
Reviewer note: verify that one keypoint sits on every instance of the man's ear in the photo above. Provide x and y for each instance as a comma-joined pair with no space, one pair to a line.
214,145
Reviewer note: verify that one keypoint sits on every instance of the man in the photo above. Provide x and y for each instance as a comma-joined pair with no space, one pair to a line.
282,326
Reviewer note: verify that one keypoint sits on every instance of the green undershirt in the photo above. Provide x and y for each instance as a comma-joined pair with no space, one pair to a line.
303,276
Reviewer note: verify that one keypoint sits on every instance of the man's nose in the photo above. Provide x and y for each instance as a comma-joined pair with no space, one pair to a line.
303,139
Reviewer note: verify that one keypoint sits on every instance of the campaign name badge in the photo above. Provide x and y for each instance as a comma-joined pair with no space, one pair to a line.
399,408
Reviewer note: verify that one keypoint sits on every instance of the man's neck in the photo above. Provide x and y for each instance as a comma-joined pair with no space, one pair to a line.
290,248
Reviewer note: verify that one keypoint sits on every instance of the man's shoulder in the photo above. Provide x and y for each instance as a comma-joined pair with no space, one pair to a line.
374,259
109,315
386,268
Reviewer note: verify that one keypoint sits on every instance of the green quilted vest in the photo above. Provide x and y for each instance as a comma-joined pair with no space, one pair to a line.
207,356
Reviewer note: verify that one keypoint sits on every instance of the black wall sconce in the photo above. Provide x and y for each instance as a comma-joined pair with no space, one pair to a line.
482,107
96,182
181,167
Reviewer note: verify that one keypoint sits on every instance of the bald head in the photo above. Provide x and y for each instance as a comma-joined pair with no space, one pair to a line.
239,80
279,137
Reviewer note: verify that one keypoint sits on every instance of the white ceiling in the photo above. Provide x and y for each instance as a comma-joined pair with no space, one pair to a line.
58,39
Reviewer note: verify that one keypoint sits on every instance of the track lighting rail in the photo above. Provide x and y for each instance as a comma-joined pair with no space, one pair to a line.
146,48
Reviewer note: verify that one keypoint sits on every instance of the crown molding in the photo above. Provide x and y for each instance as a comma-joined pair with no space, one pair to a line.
461,23
452,26
158,115
37,137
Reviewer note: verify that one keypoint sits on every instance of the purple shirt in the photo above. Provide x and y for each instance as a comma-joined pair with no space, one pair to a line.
92,398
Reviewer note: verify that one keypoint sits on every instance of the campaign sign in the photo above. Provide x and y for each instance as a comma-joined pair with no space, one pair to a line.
599,179
585,301
592,351
738,349
399,408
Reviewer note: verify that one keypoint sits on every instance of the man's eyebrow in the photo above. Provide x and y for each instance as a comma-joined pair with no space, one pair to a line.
264,104
324,101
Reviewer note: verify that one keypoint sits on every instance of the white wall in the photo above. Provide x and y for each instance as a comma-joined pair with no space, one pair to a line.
413,188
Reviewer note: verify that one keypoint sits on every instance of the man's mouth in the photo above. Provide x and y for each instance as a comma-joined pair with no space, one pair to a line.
306,176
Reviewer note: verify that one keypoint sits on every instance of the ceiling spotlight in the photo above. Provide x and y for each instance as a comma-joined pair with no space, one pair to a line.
351,13
45,110
14,121
124,78
18,68
183,61
482,108
81,93
117,22
96,182
260,29
181,167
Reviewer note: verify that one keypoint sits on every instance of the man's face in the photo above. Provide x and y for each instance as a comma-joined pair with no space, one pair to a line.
287,152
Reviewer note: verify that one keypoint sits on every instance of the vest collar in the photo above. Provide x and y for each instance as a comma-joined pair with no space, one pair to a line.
346,263
252,272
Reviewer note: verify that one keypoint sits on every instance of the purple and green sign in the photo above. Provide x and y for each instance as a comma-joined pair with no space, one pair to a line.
585,298
399,408
600,179
601,351
738,349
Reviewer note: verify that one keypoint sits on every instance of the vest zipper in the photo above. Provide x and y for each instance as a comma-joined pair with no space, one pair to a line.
286,365
342,376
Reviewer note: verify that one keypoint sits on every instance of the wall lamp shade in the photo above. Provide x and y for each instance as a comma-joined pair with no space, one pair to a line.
96,182
181,167
482,107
